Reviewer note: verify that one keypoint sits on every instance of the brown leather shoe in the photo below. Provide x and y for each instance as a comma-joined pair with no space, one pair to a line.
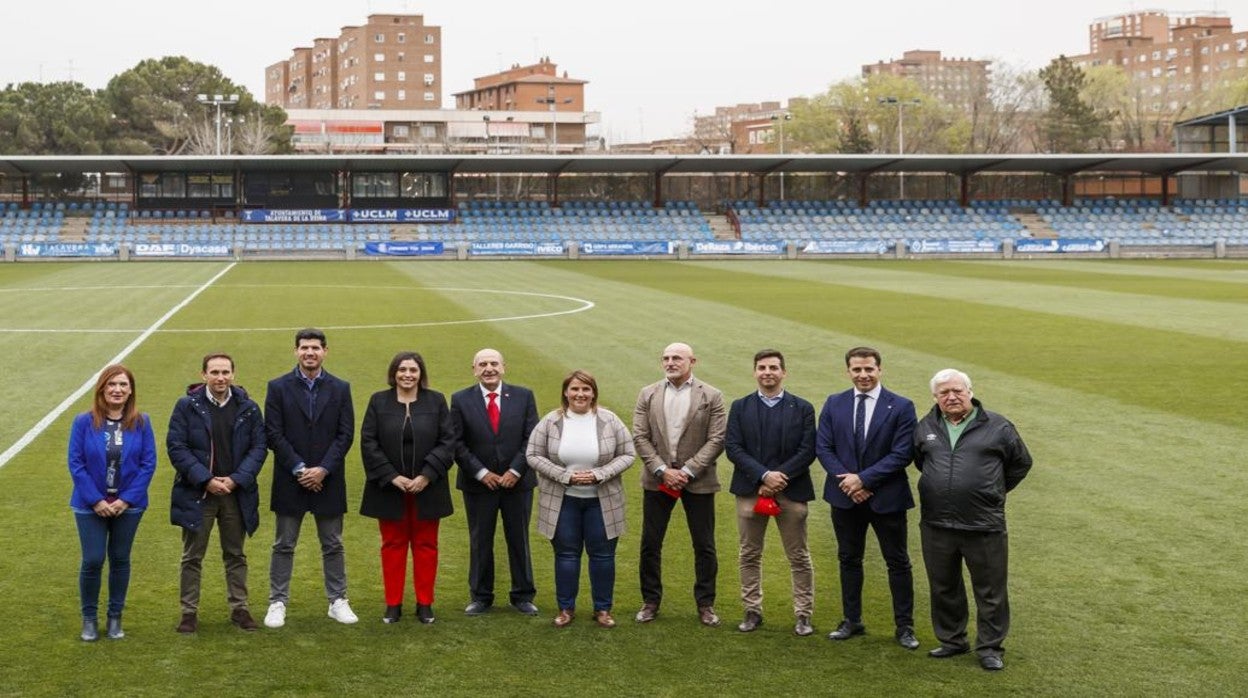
604,619
189,624
649,611
242,618
564,619
707,615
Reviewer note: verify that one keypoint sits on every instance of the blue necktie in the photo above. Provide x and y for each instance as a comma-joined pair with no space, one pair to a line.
860,424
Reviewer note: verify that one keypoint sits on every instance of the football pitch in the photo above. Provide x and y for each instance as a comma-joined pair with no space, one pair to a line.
1126,379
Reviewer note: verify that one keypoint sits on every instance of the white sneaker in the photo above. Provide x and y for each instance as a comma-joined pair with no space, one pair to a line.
341,611
276,617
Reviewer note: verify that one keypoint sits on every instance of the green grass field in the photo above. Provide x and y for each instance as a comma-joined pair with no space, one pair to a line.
1126,378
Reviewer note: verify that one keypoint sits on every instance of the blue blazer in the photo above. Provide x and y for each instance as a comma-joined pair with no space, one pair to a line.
796,438
889,449
476,444
88,463
320,437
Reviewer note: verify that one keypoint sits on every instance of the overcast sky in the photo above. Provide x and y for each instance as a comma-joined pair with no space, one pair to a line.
651,65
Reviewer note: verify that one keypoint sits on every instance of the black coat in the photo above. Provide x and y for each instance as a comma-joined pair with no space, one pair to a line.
964,486
189,444
320,438
385,455
477,446
795,422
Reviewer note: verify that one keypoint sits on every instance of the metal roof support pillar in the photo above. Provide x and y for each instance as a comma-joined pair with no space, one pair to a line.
1230,133
1165,188
25,191
1066,197
862,190
964,194
658,190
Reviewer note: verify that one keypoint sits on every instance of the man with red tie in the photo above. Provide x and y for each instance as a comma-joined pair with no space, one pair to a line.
492,424
864,442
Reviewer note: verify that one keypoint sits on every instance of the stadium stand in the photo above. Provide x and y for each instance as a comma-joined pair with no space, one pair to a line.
890,221
537,221
1135,222
1147,222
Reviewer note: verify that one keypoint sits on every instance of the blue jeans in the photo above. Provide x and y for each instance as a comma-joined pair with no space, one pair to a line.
581,526
102,537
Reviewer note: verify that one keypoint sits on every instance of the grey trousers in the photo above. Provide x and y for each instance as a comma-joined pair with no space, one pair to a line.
986,555
224,511
333,562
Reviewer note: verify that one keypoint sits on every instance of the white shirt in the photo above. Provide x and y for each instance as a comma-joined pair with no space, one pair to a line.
578,449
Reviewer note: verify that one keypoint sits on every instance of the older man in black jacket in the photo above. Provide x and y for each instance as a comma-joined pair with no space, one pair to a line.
969,458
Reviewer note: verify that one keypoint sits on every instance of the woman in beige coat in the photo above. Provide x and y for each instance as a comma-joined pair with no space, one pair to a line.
579,452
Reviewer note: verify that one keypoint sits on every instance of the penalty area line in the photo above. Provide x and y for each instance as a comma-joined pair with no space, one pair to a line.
86,387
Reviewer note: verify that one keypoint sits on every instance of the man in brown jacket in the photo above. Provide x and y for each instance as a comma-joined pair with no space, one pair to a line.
678,429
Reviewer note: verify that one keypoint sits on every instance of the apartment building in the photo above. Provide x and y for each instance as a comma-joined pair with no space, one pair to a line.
393,61
1170,58
958,82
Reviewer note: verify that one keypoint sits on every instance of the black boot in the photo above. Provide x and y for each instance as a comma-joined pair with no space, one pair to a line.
114,628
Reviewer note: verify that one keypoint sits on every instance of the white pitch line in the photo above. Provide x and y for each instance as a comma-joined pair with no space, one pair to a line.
68,402
584,305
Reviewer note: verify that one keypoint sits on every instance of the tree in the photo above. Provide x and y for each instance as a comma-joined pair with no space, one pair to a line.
856,116
817,123
1071,124
61,118
1003,120
157,105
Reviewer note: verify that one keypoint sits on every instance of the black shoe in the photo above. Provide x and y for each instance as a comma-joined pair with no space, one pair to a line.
189,624
525,607
803,627
846,630
906,638
90,630
114,628
241,618
424,613
753,619
392,614
945,651
991,662
476,608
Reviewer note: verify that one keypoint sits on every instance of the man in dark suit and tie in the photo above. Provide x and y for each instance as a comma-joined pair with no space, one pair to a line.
310,424
771,443
864,443
492,425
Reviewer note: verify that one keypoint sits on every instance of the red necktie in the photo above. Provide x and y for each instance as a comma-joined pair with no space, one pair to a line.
491,410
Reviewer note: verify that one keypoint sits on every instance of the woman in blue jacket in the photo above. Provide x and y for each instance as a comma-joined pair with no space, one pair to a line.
112,457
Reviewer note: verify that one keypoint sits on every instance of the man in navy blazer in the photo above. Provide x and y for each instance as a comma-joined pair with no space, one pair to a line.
310,424
864,443
495,478
771,444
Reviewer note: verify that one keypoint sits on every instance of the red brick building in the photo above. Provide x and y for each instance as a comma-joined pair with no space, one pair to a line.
958,82
1170,58
391,62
